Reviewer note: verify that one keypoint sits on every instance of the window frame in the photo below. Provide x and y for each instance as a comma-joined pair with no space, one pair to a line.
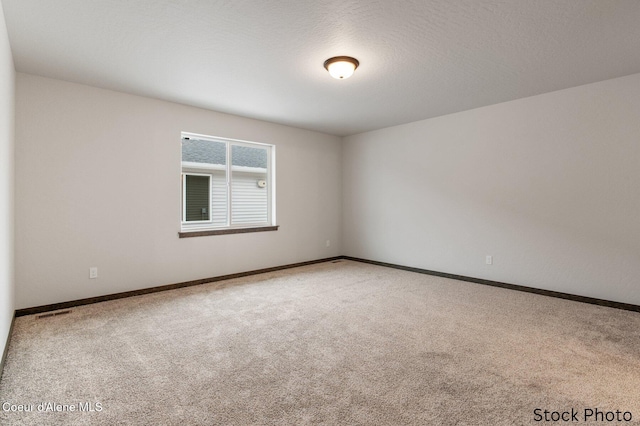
200,228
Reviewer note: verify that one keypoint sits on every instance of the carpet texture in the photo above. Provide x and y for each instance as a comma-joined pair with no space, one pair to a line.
334,343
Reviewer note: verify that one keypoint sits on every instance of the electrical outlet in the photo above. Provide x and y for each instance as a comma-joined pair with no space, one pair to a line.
489,260
328,243
93,272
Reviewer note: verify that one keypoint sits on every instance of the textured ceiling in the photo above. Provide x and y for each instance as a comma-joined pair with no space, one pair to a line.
263,58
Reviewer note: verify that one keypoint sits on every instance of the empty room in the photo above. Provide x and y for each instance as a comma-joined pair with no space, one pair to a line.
420,212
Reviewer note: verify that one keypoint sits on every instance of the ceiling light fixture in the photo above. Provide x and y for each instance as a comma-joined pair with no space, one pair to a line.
341,67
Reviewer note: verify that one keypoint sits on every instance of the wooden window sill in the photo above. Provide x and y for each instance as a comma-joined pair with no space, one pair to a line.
189,234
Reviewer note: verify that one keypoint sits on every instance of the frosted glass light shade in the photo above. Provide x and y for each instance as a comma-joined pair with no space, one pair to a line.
341,67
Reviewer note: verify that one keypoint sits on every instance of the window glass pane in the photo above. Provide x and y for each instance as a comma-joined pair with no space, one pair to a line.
196,198
203,152
246,156
204,156
249,191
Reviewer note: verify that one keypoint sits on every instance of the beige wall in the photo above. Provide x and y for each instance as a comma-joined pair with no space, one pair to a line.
98,184
7,91
547,185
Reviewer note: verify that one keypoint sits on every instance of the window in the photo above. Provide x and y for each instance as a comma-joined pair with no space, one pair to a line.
226,184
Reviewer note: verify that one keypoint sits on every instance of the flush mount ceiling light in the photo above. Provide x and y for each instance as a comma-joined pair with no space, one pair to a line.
341,67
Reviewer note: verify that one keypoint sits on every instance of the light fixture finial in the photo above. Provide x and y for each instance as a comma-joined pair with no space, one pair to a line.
341,67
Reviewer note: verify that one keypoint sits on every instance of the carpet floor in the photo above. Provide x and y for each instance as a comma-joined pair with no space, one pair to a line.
341,343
